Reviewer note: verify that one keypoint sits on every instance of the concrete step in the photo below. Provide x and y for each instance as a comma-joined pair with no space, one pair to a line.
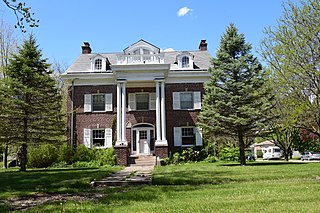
143,160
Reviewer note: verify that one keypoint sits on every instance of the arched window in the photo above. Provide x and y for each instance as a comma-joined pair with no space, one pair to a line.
185,62
98,64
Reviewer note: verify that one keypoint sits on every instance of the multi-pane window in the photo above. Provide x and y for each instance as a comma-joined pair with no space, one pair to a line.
186,100
146,52
185,62
98,64
98,137
187,134
142,101
98,102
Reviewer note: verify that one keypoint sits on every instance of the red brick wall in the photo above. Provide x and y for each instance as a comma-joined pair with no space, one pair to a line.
174,118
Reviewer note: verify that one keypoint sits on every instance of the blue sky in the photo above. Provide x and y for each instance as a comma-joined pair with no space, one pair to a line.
111,26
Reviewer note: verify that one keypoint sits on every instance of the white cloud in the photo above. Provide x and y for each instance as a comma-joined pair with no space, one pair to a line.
168,50
183,11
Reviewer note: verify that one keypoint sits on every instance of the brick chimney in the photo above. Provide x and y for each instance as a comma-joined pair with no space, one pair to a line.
203,45
86,48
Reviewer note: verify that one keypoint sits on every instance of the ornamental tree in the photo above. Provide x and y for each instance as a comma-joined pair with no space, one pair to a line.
237,98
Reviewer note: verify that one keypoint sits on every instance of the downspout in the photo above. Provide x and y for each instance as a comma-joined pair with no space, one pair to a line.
72,114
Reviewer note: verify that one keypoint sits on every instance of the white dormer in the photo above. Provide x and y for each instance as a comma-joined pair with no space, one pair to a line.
98,63
141,48
185,61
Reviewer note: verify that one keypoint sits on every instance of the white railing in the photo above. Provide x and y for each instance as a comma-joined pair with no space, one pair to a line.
140,59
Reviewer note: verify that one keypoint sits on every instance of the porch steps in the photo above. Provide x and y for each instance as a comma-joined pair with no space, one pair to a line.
138,173
142,160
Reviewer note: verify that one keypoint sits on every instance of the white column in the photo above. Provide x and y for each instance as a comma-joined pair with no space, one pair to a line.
158,117
163,113
118,112
123,114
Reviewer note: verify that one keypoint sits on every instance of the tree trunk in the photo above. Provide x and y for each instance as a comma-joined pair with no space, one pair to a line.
286,155
242,147
24,159
5,157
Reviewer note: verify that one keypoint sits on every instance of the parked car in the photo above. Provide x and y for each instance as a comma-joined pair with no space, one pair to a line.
310,156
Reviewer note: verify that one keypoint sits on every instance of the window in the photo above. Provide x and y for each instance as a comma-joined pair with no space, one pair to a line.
186,100
136,52
98,64
141,101
98,137
185,62
187,136
98,102
146,52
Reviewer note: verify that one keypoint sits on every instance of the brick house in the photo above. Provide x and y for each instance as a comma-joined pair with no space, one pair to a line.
141,101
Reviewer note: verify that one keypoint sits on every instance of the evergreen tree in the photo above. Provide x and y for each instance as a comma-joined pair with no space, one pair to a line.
31,106
237,97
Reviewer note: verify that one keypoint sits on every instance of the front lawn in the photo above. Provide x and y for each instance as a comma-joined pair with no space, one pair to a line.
202,187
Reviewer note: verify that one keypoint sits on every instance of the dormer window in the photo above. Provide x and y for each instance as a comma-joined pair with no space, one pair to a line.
98,64
185,62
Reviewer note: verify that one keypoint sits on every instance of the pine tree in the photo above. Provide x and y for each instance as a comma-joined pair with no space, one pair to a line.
237,97
32,104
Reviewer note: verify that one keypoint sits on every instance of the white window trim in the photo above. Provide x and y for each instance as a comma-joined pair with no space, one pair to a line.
191,61
88,138
103,66
176,100
132,105
108,101
177,131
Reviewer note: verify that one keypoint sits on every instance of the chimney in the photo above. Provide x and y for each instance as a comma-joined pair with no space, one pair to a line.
86,48
203,45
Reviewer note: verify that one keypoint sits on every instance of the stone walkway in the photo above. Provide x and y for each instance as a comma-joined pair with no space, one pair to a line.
134,175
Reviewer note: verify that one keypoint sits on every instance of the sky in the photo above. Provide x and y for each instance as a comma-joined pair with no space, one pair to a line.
113,25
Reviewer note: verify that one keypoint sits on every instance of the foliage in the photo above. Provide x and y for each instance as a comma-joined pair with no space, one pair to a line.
259,154
284,137
105,156
66,154
210,159
42,156
291,50
87,164
230,153
31,109
237,98
82,153
188,155
23,14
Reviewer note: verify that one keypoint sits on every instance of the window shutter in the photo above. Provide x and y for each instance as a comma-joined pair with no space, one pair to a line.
132,101
108,102
87,102
108,137
177,136
198,136
176,100
87,137
197,100
152,101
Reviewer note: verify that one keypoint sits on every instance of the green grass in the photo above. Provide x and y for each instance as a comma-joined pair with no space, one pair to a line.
204,187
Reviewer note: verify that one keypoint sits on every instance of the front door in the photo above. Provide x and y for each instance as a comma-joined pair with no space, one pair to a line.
144,147
142,141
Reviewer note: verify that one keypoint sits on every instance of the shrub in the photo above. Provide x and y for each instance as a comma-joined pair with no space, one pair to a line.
105,156
211,159
230,154
66,154
87,164
42,156
82,153
259,154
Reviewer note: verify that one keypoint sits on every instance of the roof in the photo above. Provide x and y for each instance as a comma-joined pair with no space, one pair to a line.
202,60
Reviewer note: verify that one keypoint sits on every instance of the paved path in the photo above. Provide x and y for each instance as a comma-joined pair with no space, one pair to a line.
134,175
